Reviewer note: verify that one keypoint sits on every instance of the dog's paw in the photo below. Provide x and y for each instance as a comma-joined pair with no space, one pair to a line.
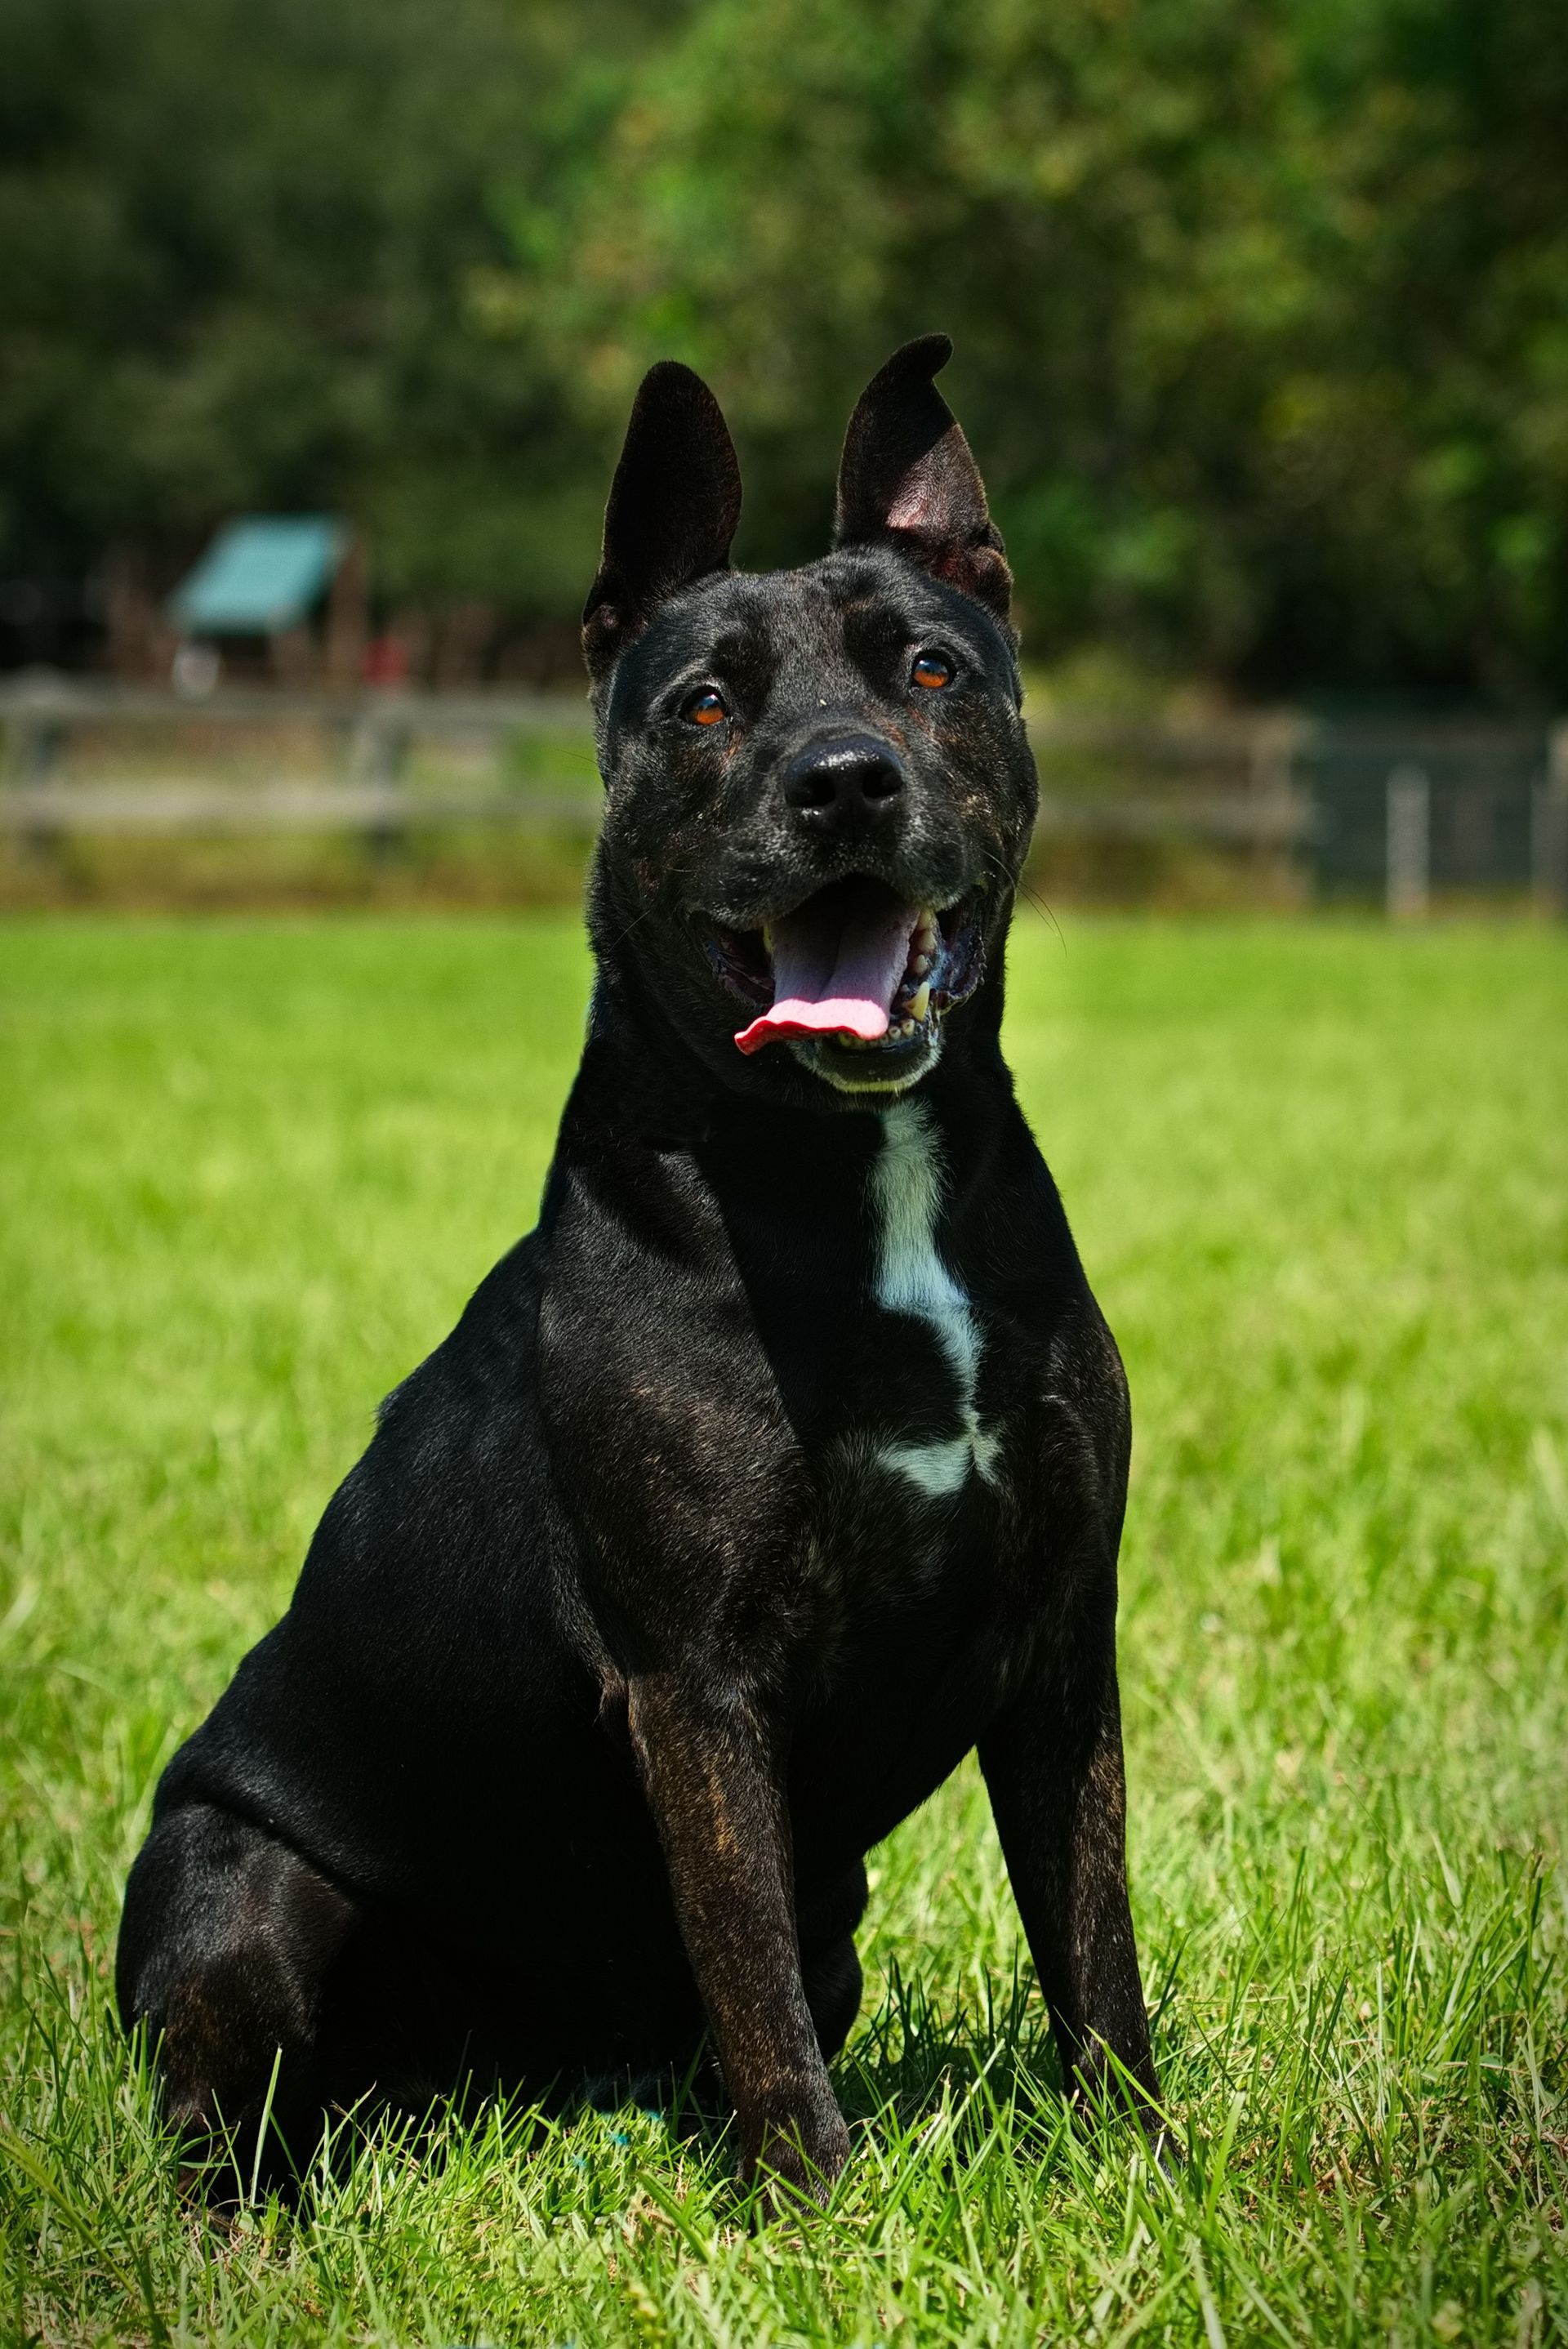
1166,2149
794,2160
1109,2099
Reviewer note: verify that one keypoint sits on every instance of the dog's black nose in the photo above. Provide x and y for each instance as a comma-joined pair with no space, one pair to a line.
845,783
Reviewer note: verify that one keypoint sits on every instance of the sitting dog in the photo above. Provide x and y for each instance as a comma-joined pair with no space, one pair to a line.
781,1466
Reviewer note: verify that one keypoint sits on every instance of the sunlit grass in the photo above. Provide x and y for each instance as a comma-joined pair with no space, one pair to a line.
1320,1176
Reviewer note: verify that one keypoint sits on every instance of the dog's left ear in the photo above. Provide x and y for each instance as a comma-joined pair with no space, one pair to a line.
907,480
674,506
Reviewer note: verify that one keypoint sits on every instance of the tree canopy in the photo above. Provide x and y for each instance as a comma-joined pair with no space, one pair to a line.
1261,305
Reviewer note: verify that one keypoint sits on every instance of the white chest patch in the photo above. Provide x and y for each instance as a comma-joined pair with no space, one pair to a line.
908,1276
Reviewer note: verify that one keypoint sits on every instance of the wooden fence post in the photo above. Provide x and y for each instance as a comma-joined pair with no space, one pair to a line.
377,755
1272,754
1549,828
1409,865
38,738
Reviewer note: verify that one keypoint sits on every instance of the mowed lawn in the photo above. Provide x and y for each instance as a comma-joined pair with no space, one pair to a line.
249,1174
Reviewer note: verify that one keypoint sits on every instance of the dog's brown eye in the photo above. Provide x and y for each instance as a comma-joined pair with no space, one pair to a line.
706,709
932,671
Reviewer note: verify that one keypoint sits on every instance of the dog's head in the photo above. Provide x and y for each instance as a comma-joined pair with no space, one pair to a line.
819,789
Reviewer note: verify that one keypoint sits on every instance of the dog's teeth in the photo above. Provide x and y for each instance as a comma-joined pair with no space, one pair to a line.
919,1002
768,935
919,964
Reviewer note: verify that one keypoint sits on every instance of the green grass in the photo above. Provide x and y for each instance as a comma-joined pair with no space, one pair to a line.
248,1174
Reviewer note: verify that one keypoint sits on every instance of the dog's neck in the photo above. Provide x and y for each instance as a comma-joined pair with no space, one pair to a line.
641,1083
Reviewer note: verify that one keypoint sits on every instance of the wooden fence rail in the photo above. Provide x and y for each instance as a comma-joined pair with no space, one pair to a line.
281,805
290,806
1401,807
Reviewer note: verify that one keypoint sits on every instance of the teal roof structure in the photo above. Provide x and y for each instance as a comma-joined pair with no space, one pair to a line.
262,573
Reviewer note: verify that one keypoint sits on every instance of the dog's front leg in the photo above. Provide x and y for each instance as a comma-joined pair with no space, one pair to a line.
712,1766
1053,1767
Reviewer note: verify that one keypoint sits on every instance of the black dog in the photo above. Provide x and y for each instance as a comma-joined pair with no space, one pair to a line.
781,1466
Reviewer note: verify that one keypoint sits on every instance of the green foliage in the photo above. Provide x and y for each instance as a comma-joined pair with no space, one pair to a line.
242,239
253,1170
1263,311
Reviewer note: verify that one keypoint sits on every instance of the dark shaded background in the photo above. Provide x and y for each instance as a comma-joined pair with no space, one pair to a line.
1261,305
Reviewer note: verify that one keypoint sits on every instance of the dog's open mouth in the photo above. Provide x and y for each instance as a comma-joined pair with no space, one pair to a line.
855,965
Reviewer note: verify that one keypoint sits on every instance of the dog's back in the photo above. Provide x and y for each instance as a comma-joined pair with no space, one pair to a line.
782,1466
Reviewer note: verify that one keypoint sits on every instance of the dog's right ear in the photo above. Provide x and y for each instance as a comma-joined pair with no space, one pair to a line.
674,506
907,480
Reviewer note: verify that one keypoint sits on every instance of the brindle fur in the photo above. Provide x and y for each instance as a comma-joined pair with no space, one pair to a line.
619,1649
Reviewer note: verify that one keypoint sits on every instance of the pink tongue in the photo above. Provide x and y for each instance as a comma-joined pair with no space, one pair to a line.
835,967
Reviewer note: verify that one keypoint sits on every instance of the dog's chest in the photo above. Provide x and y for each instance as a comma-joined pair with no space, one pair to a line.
946,1444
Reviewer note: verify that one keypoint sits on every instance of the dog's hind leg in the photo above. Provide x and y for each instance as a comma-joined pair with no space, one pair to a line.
830,1964
833,1983
1053,1765
225,1944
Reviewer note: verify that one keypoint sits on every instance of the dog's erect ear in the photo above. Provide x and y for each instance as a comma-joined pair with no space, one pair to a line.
907,480
674,506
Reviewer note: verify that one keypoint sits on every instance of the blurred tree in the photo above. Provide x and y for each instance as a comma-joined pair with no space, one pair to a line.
1261,306
1262,309
242,241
